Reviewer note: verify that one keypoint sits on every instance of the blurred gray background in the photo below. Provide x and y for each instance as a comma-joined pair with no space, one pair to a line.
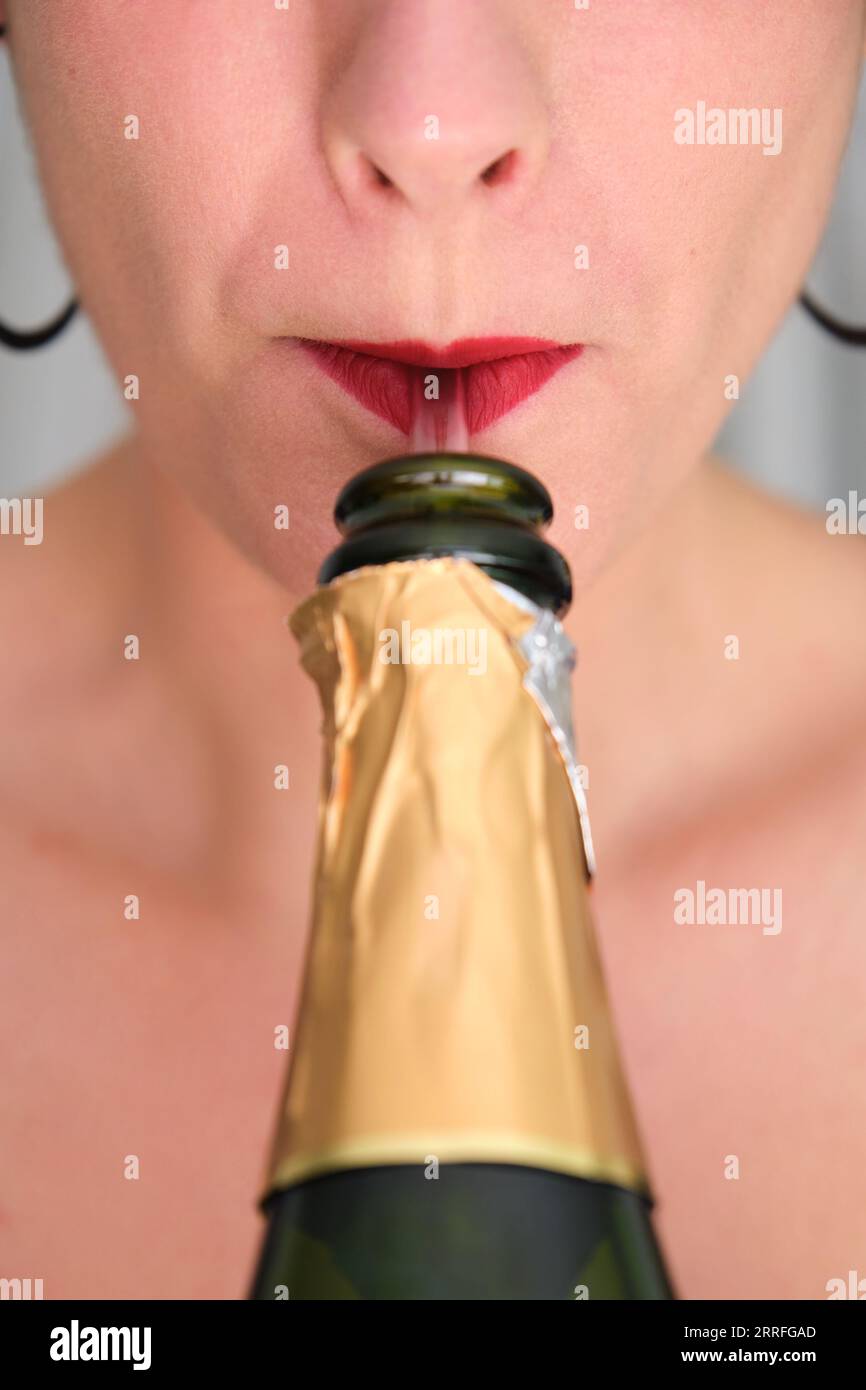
799,427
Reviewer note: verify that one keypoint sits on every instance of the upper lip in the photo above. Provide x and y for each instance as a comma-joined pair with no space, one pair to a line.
465,352
496,374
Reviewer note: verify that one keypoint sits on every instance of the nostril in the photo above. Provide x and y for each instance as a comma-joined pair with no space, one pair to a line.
501,170
376,175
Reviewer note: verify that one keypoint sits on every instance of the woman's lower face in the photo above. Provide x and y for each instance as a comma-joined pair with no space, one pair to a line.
600,214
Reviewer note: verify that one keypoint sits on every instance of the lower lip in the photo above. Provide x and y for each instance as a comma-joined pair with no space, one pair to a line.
388,387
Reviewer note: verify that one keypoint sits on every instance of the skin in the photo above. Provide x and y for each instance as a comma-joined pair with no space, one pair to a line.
263,128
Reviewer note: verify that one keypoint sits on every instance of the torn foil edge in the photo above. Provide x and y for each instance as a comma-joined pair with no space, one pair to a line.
551,657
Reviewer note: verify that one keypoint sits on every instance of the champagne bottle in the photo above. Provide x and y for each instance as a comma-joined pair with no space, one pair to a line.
455,1123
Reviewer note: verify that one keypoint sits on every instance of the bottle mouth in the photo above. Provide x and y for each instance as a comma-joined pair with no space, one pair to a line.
440,483
423,506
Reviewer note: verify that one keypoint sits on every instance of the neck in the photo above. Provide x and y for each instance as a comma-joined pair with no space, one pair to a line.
230,701
667,722
217,698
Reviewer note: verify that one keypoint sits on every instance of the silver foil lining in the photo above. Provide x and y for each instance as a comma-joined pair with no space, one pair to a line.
551,657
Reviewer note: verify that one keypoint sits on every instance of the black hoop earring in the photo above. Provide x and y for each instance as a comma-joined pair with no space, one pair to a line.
848,333
23,340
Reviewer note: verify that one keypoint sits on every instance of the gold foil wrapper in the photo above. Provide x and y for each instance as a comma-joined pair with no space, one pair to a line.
452,967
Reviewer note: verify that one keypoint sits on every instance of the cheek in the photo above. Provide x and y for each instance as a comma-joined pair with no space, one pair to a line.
701,248
173,140
673,229
695,251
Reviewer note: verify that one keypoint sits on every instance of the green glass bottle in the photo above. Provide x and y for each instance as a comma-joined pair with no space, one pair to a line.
455,1123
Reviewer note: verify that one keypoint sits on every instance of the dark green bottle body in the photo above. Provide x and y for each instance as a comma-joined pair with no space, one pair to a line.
474,1231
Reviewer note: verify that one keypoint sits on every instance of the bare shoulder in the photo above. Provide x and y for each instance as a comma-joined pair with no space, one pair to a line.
799,578
58,611
57,574
763,667
814,559
797,581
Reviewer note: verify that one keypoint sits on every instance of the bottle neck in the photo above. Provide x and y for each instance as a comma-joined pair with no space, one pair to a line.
451,941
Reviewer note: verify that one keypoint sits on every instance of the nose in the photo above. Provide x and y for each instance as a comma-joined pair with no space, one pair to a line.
433,104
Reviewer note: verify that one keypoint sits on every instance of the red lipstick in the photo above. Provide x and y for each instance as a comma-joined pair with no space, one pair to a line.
495,374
